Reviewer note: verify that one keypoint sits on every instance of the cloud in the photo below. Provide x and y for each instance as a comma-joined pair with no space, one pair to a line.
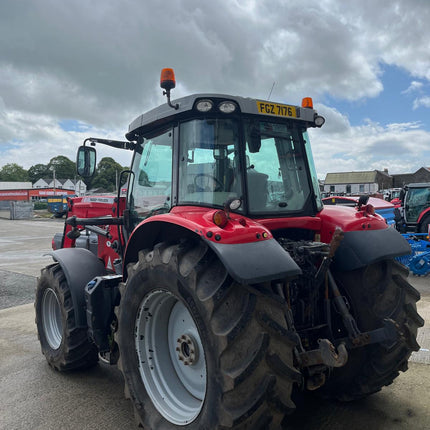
36,138
107,55
98,63
422,102
415,86
398,147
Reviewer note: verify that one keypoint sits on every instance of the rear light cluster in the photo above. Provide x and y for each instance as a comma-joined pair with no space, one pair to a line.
368,209
220,219
207,105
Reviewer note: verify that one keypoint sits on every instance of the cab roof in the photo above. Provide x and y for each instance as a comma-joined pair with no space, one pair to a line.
419,185
164,113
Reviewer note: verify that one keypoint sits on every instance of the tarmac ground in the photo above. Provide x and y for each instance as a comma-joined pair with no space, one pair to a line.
33,396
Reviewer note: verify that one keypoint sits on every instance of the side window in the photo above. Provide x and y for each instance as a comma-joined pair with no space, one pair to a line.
263,172
276,169
208,173
152,167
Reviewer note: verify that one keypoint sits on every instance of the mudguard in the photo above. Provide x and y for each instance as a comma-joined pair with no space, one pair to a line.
249,263
79,266
361,248
423,214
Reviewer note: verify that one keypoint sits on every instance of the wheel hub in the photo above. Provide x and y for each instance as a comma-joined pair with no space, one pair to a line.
187,350
52,319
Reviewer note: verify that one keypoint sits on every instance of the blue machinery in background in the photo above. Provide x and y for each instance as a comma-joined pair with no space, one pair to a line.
418,261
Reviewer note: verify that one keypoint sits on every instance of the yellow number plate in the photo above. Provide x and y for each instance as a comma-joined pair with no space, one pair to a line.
266,108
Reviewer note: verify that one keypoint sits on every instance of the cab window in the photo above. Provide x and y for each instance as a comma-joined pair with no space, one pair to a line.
208,170
152,176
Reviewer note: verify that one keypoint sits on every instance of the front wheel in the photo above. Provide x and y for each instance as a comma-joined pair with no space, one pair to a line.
65,346
199,351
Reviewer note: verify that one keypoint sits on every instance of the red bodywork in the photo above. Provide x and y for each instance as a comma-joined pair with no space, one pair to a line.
95,207
396,202
425,212
239,229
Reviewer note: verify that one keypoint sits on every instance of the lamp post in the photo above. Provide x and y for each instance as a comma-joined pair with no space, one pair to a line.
53,175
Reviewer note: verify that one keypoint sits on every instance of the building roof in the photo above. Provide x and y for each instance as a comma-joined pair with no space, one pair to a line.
368,177
5,185
61,181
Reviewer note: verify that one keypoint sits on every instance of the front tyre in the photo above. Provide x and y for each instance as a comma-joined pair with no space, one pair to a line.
65,346
199,351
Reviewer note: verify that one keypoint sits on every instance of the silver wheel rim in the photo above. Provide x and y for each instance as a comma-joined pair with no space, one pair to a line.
52,319
171,358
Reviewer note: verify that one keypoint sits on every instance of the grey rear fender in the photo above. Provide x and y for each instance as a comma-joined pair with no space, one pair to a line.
247,263
253,262
361,248
79,266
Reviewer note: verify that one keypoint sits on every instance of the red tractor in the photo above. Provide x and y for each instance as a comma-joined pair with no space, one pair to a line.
220,283
414,212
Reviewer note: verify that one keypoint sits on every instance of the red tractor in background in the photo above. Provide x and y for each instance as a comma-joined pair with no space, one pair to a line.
220,283
414,210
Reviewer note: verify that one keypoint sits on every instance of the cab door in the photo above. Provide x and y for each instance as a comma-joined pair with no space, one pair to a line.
416,200
150,187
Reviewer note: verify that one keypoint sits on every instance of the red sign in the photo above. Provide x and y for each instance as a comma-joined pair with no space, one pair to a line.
43,192
16,195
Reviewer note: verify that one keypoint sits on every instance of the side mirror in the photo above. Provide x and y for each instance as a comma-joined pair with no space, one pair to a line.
363,200
254,143
86,161
220,153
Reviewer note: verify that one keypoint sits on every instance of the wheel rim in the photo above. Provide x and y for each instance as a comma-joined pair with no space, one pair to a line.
52,318
171,357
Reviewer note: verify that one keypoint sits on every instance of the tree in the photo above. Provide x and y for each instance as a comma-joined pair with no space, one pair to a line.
143,179
107,172
38,171
12,172
64,168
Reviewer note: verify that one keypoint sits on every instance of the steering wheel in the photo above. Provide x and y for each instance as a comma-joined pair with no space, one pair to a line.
204,184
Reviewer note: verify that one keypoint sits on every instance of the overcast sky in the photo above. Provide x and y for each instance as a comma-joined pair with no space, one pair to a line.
76,68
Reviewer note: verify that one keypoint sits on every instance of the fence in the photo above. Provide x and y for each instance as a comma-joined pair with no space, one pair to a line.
21,210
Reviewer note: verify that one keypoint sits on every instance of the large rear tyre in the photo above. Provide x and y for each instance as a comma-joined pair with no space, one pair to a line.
65,346
199,351
376,292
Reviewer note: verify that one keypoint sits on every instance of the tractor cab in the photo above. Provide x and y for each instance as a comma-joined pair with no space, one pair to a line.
216,151
416,208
